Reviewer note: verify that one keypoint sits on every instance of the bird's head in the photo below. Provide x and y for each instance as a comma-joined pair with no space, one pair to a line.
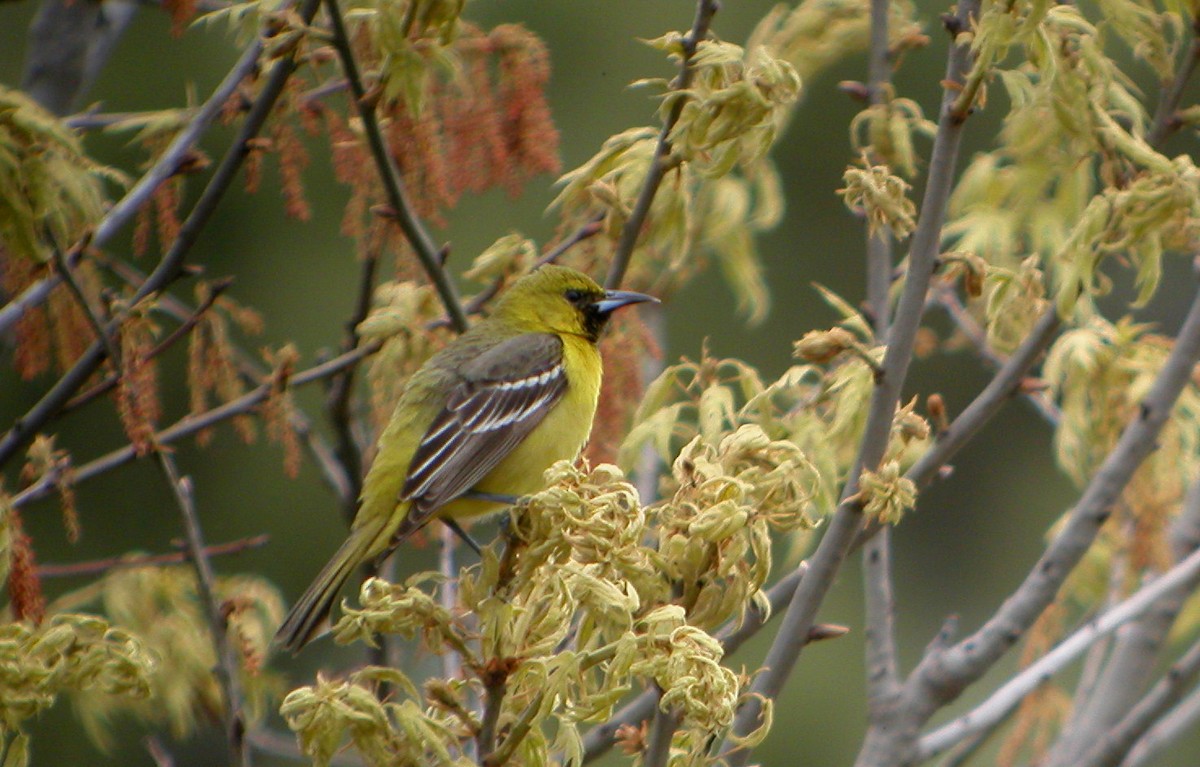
555,299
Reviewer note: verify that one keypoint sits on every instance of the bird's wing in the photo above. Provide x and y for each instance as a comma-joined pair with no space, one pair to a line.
504,394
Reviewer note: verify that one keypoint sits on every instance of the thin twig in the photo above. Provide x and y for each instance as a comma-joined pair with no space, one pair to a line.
966,324
418,237
585,232
1119,740
337,400
227,671
882,664
96,566
191,424
1166,120
1001,702
661,161
843,529
181,331
168,269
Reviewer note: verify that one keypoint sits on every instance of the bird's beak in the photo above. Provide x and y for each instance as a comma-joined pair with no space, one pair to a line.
615,299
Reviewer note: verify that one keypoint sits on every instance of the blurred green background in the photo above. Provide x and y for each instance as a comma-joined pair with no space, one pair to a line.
969,543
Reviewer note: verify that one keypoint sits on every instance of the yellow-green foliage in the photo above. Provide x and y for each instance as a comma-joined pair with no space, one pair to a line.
160,607
51,193
1073,179
67,654
594,593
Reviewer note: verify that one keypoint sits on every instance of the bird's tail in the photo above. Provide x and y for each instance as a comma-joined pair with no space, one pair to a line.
309,617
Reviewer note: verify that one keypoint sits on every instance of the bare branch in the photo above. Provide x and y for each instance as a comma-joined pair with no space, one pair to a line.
945,672
418,237
227,665
843,528
882,665
191,424
1184,575
97,566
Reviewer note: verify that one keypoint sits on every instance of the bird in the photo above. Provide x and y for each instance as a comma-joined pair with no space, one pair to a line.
478,423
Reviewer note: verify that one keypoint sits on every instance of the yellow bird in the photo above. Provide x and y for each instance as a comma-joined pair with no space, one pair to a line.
486,416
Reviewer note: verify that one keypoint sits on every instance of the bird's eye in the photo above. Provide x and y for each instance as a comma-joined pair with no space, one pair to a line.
574,296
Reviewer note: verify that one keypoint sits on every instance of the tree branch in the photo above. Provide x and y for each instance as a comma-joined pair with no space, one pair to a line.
1184,575
945,671
169,267
882,665
97,566
843,529
397,197
227,664
661,161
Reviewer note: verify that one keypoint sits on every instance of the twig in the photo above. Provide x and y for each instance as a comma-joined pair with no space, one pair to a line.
599,739
495,687
516,734
1171,689
827,560
661,161
1166,121
999,703
191,424
64,273
585,232
967,325
397,197
882,664
337,400
95,566
1178,722
169,267
658,741
185,327
227,665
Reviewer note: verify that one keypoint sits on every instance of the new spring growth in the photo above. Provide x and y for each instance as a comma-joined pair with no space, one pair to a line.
686,663
67,653
824,346
881,197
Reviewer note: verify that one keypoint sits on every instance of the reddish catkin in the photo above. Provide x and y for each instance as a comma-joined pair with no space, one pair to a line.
166,209
24,587
471,119
137,388
528,127
69,327
624,351
32,355
143,224
181,12
293,159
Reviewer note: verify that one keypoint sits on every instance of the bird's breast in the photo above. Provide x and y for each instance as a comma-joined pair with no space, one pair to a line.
560,436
